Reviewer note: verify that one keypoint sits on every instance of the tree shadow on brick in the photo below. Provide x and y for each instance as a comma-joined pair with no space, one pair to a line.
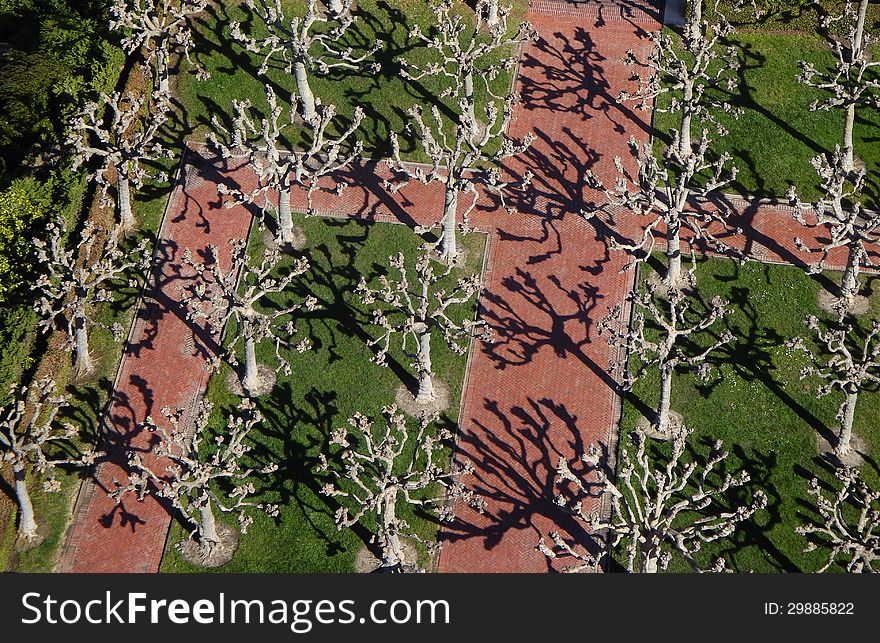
568,75
515,454
367,198
524,321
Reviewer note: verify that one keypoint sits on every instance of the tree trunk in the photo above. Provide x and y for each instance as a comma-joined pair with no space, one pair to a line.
848,153
650,564
426,393
684,139
665,404
448,241
208,535
392,553
285,220
673,254
470,101
849,284
492,18
162,68
251,380
858,41
126,220
83,359
844,436
27,524
696,16
306,97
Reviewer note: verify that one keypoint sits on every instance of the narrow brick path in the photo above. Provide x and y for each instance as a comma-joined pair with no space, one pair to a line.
541,391
164,365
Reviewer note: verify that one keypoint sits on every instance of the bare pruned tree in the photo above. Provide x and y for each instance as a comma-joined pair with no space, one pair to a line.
662,190
852,82
417,311
659,509
654,339
849,225
279,171
71,288
849,526
689,71
124,142
32,440
453,161
238,295
305,45
190,476
465,54
847,364
155,27
379,469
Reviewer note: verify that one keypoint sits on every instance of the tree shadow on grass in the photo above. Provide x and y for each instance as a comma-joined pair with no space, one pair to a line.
750,357
754,532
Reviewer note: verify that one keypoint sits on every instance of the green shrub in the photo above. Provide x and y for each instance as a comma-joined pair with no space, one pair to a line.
18,213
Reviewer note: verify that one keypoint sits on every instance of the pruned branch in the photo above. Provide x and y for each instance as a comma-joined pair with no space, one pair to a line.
279,171
71,288
156,27
305,45
123,142
845,365
190,477
849,226
32,439
849,527
416,311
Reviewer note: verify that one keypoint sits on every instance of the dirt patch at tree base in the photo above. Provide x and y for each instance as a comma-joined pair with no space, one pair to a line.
655,280
674,427
22,545
406,402
855,457
366,562
460,261
220,554
298,242
267,376
828,302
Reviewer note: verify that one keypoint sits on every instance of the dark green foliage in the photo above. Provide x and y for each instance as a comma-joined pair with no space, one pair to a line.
58,53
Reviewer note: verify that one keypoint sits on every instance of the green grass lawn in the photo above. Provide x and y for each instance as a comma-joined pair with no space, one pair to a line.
775,138
756,402
385,96
329,384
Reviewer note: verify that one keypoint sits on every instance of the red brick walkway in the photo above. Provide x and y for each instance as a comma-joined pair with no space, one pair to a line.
539,392
164,365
